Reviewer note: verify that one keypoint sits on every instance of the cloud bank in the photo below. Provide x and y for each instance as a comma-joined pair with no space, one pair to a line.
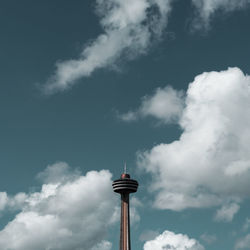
166,105
172,241
129,28
210,163
70,212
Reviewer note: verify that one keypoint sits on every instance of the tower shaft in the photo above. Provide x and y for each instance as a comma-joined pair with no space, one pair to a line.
124,186
125,223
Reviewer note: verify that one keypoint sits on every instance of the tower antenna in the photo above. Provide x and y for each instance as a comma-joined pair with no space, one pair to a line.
125,167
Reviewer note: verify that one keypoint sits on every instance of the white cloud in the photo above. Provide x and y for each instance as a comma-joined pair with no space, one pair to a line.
204,167
129,116
11,202
129,29
148,235
208,238
226,213
246,224
172,241
70,212
104,245
206,10
134,214
243,243
166,105
58,172
3,200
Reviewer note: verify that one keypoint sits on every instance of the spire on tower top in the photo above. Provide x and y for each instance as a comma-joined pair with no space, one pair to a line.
125,175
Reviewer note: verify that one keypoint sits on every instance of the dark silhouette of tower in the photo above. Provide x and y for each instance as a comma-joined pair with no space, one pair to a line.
125,186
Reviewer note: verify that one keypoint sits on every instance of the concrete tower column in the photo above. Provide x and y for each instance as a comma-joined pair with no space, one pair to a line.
125,186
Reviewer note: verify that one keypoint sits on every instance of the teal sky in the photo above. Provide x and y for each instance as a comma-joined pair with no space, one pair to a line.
82,125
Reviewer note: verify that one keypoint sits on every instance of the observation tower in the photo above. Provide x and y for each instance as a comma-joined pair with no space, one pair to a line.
125,186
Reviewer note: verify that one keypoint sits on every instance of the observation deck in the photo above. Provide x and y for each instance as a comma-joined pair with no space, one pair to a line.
125,184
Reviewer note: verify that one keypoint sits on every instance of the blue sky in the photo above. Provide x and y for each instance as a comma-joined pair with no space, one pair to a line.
161,84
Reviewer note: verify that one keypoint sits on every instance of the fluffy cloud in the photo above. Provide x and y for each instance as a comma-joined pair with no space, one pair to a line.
207,8
129,29
11,202
210,163
166,105
172,241
243,243
227,212
70,212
